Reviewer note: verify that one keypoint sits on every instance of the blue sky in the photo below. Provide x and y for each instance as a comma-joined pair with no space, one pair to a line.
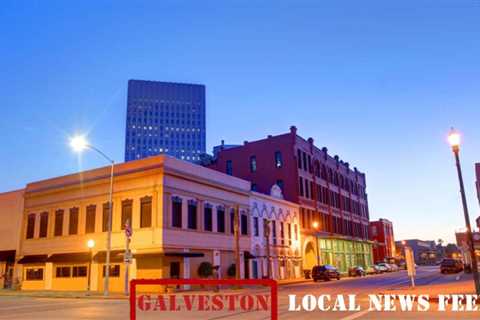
377,83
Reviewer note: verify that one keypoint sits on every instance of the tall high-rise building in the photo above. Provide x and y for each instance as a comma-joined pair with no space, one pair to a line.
165,117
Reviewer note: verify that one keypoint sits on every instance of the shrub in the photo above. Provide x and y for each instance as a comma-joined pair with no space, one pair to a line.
205,269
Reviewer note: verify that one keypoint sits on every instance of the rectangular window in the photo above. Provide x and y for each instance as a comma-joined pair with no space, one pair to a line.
289,232
58,223
177,212
304,158
114,271
243,224
30,225
106,210
274,231
232,221
146,212
73,222
300,184
278,159
282,232
126,213
43,224
34,274
253,164
79,271
229,169
221,220
207,218
62,272
307,191
299,158
254,187
192,215
295,231
255,226
90,219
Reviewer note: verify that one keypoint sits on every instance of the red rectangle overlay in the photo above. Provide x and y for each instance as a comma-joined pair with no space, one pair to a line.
208,282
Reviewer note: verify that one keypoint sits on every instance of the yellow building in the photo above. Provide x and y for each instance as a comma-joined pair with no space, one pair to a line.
181,215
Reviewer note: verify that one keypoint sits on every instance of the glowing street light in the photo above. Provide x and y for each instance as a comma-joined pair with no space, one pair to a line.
454,139
79,143
316,226
91,244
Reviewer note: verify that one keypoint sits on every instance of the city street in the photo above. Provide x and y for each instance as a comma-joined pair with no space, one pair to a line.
14,307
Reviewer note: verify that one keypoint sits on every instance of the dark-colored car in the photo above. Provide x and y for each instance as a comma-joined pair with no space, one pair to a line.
357,271
325,272
451,266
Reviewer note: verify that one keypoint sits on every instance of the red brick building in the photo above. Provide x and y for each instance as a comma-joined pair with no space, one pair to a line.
332,196
381,233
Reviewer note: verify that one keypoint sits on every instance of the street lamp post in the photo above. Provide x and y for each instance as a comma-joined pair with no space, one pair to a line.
315,225
454,139
266,233
78,144
90,245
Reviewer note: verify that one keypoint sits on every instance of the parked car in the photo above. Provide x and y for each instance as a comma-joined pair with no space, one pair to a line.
357,271
385,266
393,267
325,272
381,268
451,266
373,270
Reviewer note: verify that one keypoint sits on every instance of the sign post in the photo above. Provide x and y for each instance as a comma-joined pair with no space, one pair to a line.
410,261
128,254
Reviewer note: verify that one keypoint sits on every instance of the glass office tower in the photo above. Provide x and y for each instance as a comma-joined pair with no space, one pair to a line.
165,117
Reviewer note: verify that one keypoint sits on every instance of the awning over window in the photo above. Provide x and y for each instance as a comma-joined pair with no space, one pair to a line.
184,254
7,255
115,256
37,258
69,257
170,254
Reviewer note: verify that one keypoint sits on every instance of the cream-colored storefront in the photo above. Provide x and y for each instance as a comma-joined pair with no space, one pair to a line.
181,215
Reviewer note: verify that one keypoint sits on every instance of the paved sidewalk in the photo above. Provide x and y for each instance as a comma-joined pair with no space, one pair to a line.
116,295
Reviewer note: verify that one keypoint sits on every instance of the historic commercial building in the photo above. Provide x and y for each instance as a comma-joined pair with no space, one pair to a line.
424,251
381,233
11,207
181,215
332,197
278,219
164,117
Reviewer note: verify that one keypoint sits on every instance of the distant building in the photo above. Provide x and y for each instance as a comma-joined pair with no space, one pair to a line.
223,146
462,243
164,117
381,233
424,251
331,195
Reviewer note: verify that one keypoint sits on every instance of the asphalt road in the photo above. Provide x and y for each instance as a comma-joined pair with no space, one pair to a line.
55,308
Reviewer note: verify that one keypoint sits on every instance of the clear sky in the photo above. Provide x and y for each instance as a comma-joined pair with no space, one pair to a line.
377,83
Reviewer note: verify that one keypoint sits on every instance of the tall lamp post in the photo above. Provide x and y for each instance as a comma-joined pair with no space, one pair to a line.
78,144
90,245
454,140
316,225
